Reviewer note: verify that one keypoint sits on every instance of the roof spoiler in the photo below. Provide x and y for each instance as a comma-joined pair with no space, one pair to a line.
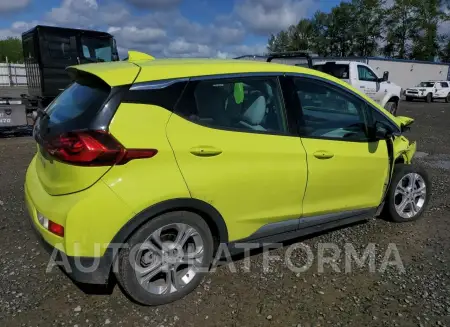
136,56
282,55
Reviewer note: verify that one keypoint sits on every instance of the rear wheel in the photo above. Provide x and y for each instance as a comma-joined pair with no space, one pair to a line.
391,106
429,98
408,194
166,258
447,98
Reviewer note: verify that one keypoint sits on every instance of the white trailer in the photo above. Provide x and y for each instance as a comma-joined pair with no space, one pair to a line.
409,73
405,73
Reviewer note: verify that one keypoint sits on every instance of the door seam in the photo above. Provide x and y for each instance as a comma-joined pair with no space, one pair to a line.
174,155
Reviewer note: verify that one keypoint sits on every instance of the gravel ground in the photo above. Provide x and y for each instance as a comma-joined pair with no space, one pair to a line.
417,296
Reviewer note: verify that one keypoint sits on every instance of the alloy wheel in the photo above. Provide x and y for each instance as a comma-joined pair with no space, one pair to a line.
410,195
169,258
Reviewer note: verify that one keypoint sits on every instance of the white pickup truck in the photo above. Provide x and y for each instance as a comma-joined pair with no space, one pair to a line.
362,77
429,91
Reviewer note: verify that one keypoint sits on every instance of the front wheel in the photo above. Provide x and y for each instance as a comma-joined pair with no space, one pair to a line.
166,258
409,99
391,106
408,194
429,98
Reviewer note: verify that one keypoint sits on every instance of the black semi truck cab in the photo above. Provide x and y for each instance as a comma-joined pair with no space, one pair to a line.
49,50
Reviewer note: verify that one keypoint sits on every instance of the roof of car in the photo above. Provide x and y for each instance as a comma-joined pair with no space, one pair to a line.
124,72
119,73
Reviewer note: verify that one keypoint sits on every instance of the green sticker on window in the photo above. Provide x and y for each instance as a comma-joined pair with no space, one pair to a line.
238,93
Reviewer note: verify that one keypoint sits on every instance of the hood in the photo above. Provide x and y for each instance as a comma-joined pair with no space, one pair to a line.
403,121
418,88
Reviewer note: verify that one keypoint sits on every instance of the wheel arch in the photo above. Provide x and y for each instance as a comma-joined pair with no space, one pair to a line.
394,98
212,217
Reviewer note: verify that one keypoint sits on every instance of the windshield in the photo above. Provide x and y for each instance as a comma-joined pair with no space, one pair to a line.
97,49
336,70
426,84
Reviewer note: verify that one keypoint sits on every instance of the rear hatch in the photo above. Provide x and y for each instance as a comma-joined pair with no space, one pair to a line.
74,147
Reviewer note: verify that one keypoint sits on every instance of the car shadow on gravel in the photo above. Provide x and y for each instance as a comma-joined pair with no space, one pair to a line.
253,252
91,289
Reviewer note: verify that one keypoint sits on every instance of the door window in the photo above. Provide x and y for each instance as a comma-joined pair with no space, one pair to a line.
58,47
245,104
365,74
444,84
330,112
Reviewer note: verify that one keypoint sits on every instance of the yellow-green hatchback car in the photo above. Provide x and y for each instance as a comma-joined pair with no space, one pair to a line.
145,167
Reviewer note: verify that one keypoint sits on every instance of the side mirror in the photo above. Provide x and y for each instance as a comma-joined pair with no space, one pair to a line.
381,131
385,76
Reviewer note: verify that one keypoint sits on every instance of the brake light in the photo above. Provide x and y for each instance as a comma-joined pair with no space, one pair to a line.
55,228
93,148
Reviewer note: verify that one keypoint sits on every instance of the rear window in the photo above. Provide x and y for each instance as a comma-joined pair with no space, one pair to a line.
336,70
79,98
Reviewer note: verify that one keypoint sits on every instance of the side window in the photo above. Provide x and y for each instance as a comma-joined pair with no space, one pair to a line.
58,47
86,53
330,112
365,74
444,84
378,116
247,104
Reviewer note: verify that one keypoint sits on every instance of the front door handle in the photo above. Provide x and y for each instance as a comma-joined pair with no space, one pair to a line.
205,151
362,87
323,155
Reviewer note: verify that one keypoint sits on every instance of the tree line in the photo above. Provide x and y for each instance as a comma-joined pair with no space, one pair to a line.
11,48
408,29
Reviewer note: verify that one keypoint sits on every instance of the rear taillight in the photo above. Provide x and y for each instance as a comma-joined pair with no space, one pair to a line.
51,226
93,148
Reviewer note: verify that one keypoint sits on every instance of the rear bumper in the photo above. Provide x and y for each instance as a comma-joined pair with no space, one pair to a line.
85,270
77,252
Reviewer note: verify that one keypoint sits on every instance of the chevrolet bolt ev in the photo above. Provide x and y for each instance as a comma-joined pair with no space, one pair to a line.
145,167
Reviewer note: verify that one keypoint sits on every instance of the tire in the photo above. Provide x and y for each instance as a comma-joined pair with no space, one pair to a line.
429,98
409,99
447,98
403,173
391,106
167,224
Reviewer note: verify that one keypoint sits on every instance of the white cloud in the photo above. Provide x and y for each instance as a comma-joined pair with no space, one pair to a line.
181,48
136,35
218,33
257,49
114,14
270,16
13,5
74,13
159,32
155,4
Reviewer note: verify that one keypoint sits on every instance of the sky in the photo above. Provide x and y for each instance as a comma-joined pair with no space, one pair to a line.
167,28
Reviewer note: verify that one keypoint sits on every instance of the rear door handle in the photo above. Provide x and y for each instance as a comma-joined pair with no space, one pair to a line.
323,155
205,151
362,87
